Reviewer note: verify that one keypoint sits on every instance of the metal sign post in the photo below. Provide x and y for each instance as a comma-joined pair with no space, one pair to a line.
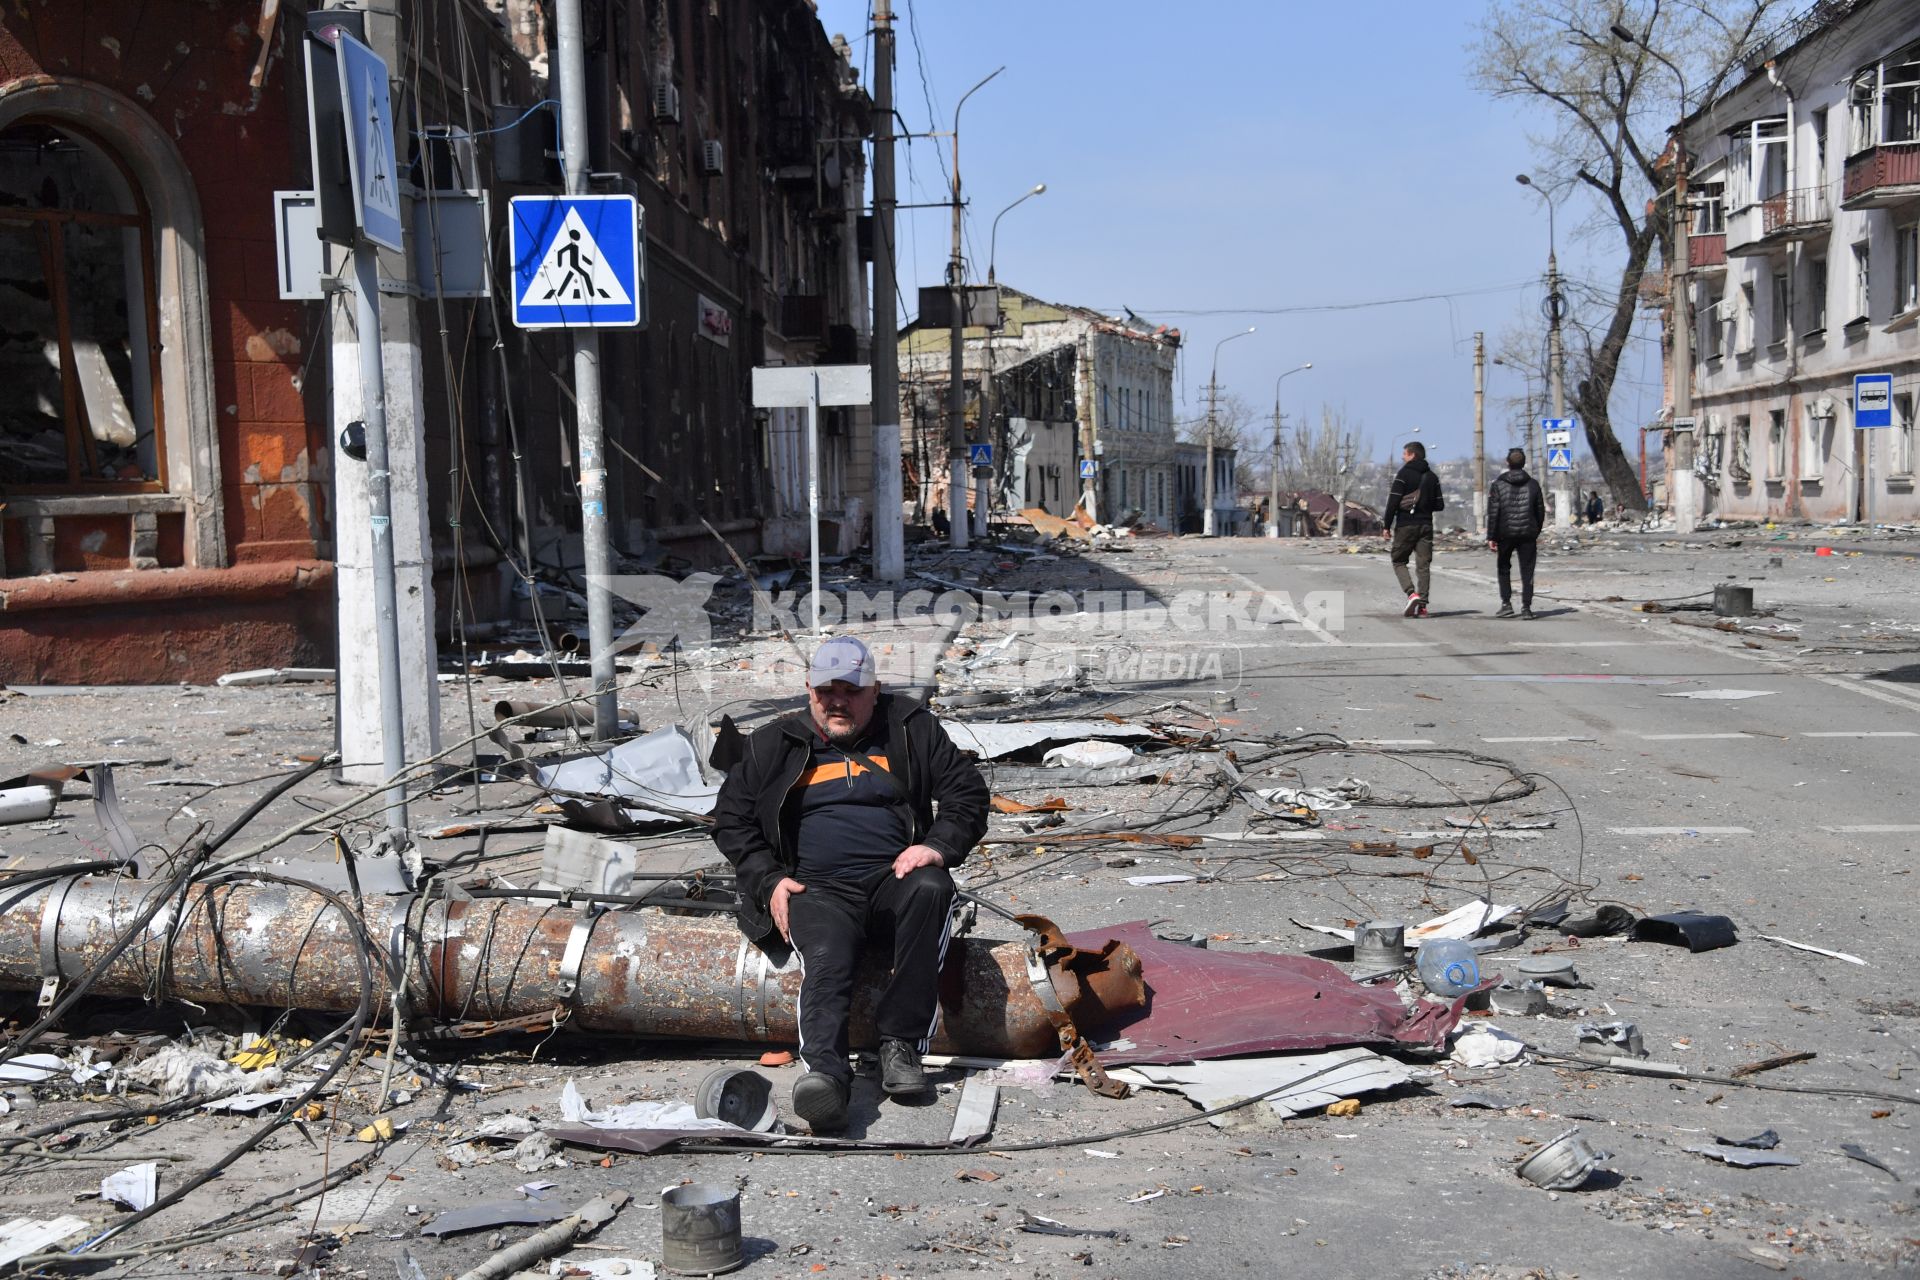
365,118
809,387
1872,410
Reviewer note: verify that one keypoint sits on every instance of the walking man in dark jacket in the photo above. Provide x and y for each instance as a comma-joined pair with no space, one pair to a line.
829,819
1516,512
1408,520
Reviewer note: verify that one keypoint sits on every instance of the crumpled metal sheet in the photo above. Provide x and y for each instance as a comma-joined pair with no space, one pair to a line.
1214,1004
654,778
1305,1082
991,739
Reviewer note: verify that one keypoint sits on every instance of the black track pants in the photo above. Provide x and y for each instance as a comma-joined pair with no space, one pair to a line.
832,923
1526,547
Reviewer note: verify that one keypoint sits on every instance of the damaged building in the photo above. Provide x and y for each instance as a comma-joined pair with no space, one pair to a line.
1804,255
172,505
1054,385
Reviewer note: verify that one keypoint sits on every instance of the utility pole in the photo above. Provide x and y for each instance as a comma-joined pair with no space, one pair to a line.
1206,508
1683,488
1556,379
596,541
1480,434
889,540
1273,471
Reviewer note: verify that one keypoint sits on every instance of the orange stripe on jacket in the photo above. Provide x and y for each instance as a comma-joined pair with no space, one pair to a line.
838,770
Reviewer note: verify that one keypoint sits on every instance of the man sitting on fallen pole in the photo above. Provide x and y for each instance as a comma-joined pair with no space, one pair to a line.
843,824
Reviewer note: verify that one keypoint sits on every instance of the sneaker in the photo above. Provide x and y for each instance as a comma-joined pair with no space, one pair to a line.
1505,610
821,1101
1423,609
900,1069
1413,605
1526,613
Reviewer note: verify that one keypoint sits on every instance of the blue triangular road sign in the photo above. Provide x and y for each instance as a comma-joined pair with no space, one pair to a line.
577,262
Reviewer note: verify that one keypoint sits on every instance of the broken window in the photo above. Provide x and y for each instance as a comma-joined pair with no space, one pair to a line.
1740,464
1777,444
1883,102
1709,208
1777,296
79,353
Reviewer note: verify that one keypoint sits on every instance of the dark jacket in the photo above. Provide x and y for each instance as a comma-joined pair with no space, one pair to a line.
755,819
1414,496
1515,508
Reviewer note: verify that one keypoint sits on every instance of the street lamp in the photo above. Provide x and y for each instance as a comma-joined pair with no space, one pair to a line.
1556,353
1273,468
993,239
956,354
1213,400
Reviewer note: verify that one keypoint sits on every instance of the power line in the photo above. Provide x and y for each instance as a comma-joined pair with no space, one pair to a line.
1312,308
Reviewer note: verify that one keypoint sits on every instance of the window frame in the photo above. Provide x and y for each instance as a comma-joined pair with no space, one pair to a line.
1779,297
1861,285
1740,457
1813,446
1900,444
1906,267
1816,301
1776,446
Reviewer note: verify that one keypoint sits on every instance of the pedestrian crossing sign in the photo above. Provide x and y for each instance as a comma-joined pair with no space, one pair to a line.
1088,468
979,455
1559,459
367,103
578,262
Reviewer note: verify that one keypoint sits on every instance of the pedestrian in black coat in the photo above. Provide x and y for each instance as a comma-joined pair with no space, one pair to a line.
1516,512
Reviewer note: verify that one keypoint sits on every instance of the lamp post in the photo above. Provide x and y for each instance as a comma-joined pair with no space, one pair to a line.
984,479
993,238
956,353
1213,402
1273,466
1556,353
1682,491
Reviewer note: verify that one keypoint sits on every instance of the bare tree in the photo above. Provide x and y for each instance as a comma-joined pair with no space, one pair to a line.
1611,101
1313,456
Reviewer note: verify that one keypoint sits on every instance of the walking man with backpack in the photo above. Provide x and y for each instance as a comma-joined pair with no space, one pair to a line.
1408,520
1516,512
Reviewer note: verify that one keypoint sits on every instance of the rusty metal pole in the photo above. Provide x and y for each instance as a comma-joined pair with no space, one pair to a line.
642,973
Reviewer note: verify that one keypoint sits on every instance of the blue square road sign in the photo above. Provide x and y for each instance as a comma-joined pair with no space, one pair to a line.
979,455
577,262
1873,400
1089,467
1559,459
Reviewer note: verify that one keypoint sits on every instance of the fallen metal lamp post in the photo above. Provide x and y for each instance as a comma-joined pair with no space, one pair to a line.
641,973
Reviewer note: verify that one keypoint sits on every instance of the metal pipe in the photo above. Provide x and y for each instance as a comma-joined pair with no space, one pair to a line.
643,973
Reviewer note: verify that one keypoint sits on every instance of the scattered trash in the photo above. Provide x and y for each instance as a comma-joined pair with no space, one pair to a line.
1293,1084
1819,951
1721,695
1552,971
1517,1002
1380,944
32,1068
994,739
973,1118
273,675
1104,1155
977,1175
22,1236
1033,1222
743,1098
652,780
1765,1140
776,1058
1343,794
574,1109
1033,1074
1611,1038
135,1187
1695,930
380,1130
494,1213
1141,881
1466,921
22,800
1488,1101
1486,1046
1854,1151
587,1218
182,1069
1741,1157
700,1230
1564,1164
1344,1108
1090,754
1772,1064
1448,967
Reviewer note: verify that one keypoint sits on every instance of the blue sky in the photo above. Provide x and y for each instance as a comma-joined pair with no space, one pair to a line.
1235,157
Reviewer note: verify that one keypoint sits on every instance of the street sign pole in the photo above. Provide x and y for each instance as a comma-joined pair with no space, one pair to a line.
813,493
1872,410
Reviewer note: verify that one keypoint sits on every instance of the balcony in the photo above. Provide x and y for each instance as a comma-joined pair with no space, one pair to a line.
1779,220
1882,176
1707,252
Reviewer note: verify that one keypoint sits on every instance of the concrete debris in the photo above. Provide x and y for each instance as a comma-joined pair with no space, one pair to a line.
1622,1038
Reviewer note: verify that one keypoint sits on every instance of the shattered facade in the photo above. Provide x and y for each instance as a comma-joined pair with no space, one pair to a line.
1067,384
1804,253
170,503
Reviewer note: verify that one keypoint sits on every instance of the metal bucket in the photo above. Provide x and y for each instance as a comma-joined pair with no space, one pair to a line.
1730,601
739,1097
1563,1164
700,1230
1380,944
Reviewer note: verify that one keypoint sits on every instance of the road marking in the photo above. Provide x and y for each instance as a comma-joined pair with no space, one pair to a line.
1392,742
1889,829
1687,737
1679,831
1860,733
1592,644
1320,633
1361,644
1568,738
